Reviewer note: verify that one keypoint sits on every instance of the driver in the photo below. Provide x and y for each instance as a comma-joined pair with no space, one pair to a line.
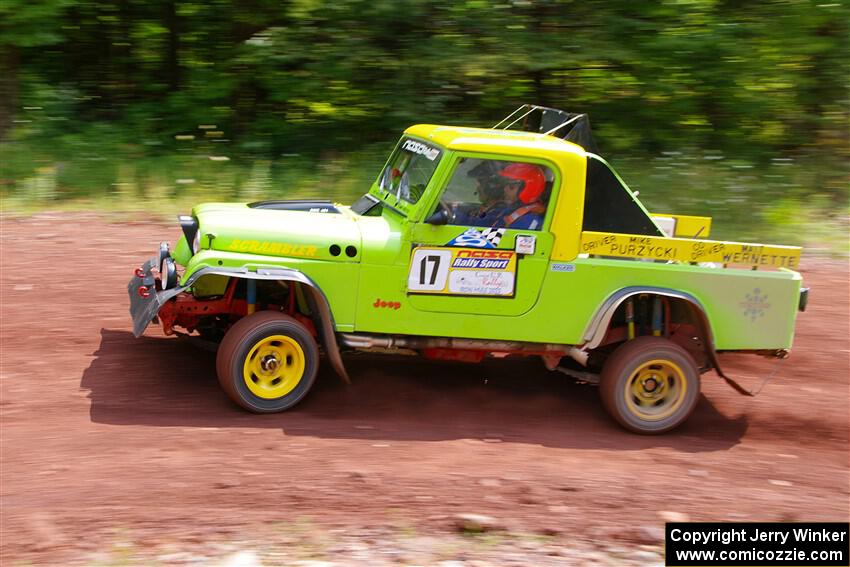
490,192
523,185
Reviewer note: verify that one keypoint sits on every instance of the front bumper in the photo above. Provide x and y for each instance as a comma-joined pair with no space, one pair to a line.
144,309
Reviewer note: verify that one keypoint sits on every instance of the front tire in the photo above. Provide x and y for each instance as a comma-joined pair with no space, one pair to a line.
267,362
650,385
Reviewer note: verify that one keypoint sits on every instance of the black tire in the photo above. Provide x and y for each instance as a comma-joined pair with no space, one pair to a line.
276,335
649,385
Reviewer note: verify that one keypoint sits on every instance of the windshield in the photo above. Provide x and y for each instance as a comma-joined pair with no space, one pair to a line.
409,170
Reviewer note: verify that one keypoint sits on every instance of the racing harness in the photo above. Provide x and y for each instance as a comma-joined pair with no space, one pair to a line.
536,208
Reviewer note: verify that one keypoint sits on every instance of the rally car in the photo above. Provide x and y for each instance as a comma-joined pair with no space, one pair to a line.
515,240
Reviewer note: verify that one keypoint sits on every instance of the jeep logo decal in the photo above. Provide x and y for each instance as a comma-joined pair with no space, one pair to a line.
380,303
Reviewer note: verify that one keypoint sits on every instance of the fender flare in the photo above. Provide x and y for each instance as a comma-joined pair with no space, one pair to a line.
317,300
598,325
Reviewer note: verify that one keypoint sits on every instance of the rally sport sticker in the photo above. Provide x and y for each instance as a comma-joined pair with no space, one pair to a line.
462,271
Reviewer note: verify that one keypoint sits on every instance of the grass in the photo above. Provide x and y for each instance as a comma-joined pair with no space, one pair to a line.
781,202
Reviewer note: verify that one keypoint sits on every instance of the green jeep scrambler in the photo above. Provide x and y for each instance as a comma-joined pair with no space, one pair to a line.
471,243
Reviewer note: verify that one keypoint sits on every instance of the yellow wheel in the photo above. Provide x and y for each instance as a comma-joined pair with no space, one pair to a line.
267,362
273,367
650,385
655,390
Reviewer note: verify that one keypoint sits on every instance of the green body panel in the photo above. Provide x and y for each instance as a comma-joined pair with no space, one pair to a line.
381,238
239,228
567,301
181,252
554,301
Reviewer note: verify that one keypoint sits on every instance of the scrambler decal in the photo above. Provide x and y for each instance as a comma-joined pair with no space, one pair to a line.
479,238
271,248
462,271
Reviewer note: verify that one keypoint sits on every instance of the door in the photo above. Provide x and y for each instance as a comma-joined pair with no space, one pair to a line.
485,248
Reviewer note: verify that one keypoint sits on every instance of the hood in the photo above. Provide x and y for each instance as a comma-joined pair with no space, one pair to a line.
280,228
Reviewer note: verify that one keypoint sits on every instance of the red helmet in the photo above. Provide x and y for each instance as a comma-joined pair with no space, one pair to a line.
534,182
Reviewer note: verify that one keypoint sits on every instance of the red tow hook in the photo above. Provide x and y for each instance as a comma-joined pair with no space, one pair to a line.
139,273
144,291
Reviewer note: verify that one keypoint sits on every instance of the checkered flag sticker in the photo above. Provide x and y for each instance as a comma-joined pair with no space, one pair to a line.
475,238
493,235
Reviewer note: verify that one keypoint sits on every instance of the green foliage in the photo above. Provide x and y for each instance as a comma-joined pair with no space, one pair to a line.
759,78
27,24
131,97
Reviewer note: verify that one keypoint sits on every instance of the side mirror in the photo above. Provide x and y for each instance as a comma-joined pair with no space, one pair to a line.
440,216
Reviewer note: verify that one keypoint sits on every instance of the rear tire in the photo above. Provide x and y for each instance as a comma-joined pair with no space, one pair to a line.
649,385
267,362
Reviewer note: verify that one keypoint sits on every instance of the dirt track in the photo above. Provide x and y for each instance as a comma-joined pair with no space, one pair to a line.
104,434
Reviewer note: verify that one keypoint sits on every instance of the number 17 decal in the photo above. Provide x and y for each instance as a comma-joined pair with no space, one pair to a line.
462,271
423,268
429,270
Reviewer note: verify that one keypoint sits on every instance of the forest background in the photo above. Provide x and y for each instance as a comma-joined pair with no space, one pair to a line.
735,109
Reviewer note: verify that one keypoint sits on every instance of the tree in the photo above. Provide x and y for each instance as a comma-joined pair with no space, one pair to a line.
24,24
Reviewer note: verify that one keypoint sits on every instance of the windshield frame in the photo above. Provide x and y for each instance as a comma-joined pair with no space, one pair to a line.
410,152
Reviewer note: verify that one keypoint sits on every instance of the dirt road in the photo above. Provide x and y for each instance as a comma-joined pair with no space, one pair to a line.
107,438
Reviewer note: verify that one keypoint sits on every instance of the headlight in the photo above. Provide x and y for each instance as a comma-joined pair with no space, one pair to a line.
168,273
162,254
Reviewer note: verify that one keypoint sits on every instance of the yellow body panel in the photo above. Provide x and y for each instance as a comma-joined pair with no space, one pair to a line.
689,250
569,158
211,285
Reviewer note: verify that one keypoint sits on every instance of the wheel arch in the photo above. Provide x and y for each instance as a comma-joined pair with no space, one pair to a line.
318,302
598,326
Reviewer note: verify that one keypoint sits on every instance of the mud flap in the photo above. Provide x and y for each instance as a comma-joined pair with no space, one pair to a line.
737,387
743,391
